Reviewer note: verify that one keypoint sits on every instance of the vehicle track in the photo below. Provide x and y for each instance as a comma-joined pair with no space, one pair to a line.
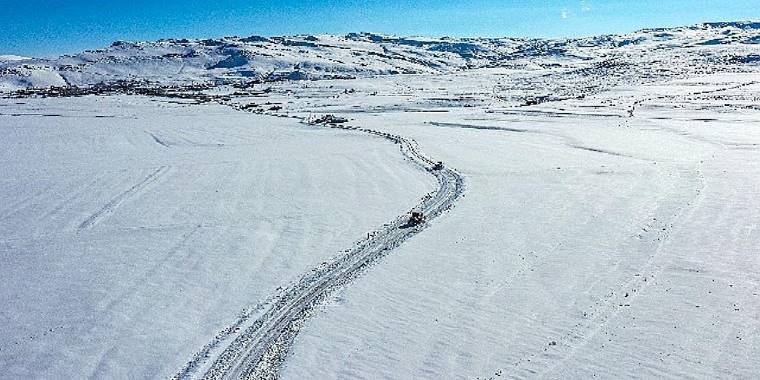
110,207
255,346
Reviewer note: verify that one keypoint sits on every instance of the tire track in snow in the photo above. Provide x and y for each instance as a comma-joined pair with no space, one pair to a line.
114,203
632,109
158,140
625,294
257,343
569,141
546,363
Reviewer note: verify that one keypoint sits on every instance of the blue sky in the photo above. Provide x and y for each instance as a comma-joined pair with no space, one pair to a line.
47,27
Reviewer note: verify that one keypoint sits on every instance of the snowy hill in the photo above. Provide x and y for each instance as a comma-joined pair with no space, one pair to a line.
12,58
366,54
463,208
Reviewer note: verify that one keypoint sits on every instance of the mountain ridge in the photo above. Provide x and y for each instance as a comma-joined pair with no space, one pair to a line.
324,56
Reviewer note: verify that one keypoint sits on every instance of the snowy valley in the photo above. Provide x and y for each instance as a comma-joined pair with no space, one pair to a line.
188,209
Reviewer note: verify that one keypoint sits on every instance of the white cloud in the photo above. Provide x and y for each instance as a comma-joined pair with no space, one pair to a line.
564,14
585,7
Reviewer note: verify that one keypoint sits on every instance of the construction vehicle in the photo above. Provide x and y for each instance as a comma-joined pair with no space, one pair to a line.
328,120
416,218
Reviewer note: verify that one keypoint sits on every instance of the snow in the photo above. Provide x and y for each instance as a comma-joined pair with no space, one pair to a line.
608,226
300,57
586,246
21,77
134,229
12,58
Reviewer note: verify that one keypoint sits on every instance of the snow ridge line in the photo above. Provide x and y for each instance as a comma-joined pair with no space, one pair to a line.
257,343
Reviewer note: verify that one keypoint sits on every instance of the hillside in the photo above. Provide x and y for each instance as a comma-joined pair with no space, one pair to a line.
255,58
369,206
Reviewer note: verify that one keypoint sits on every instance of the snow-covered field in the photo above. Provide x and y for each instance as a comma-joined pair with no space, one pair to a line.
586,246
606,225
134,229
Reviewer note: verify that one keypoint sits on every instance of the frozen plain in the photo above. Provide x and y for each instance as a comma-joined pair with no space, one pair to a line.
612,234
131,224
609,246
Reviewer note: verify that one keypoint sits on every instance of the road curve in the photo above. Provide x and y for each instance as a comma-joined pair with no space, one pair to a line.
255,346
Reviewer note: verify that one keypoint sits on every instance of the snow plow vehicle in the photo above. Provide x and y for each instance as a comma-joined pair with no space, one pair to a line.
329,120
416,218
